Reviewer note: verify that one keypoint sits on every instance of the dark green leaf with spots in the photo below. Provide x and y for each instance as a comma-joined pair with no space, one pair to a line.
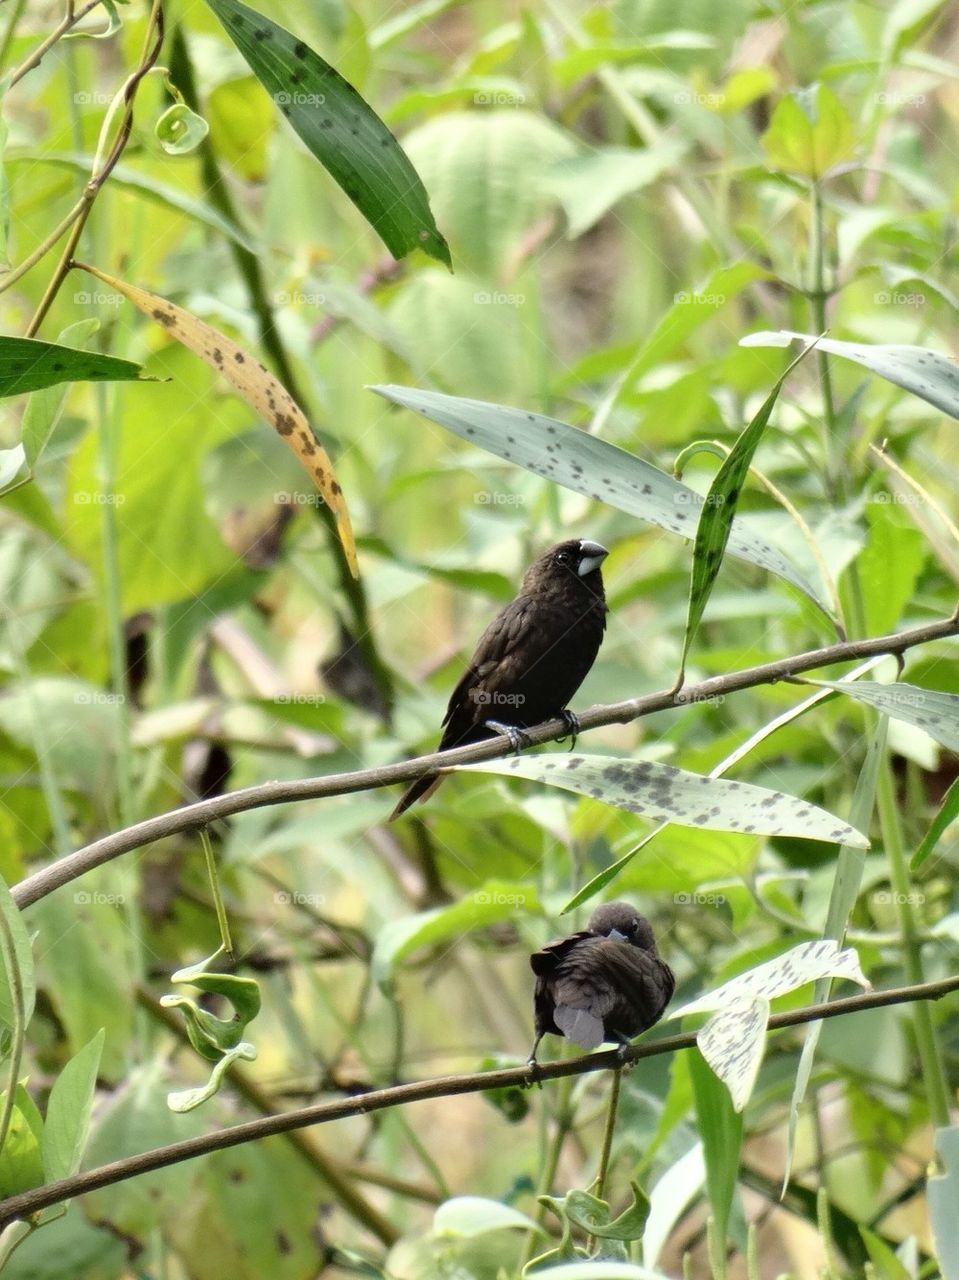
27,364
342,131
927,374
665,793
587,465
716,519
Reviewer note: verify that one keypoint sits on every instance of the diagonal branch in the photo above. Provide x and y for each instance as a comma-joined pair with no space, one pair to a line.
29,1202
192,816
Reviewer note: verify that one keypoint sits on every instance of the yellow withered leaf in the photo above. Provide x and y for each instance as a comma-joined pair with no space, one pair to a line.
256,385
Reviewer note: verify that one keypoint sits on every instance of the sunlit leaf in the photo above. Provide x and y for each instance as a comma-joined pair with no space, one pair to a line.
810,132
474,1215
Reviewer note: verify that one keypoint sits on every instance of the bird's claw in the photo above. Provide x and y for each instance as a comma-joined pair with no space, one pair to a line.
517,738
571,720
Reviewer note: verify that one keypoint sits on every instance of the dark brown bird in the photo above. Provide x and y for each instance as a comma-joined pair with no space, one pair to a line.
531,659
606,983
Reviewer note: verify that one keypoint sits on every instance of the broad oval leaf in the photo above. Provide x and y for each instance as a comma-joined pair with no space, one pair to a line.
929,709
587,465
496,900
68,1111
27,364
664,793
340,128
260,388
928,374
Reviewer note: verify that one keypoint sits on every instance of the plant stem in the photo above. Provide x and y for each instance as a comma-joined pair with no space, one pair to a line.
564,1123
610,1129
933,1075
19,1030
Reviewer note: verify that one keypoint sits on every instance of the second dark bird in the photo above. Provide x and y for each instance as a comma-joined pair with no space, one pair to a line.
532,657
606,983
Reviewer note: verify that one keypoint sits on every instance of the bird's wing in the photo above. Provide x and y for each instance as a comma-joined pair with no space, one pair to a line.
544,962
600,972
493,651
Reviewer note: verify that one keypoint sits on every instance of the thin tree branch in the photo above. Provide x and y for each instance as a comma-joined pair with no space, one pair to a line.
190,817
69,19
29,1202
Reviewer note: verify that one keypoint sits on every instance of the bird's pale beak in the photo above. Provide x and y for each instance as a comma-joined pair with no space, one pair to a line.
593,555
614,935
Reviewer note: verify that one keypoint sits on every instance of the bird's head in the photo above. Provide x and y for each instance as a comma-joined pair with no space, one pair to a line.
578,558
621,919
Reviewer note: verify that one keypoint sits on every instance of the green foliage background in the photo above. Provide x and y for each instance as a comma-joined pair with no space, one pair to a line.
626,193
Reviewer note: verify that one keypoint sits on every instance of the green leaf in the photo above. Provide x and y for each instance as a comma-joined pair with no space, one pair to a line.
592,1214
180,130
18,940
809,133
599,1270
716,518
721,1130
948,812
497,900
588,186
928,374
889,566
68,1111
141,184
182,1100
664,793
474,1215
587,465
937,713
27,364
43,409
340,129
13,468
942,1193
21,1161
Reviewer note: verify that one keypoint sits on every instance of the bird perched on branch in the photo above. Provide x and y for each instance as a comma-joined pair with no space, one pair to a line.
531,659
607,982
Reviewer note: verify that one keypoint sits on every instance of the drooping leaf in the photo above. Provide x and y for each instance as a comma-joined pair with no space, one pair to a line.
733,1039
716,518
928,374
28,364
260,388
663,792
587,465
67,1121
720,1127
340,129
929,709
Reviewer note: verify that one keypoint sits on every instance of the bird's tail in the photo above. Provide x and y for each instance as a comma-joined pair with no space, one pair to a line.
420,790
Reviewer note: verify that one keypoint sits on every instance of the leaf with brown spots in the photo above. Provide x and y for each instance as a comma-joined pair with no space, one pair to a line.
261,390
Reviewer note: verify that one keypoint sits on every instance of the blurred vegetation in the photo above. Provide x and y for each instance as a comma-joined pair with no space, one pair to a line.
627,190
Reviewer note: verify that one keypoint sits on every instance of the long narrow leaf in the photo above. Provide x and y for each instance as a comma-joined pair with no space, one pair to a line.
27,364
716,519
587,465
927,374
929,709
340,128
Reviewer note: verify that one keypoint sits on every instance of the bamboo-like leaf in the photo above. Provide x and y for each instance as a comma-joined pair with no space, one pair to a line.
27,364
929,709
587,465
716,519
948,813
340,128
928,374
733,1039
664,793
260,388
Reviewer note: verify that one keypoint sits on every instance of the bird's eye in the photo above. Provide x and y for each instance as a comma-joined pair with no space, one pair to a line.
562,557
